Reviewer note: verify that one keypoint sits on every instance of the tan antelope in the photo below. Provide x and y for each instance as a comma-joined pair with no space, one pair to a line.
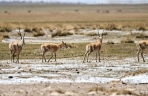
93,47
141,45
52,48
16,47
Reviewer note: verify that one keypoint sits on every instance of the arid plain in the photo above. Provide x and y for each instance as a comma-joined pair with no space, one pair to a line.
118,73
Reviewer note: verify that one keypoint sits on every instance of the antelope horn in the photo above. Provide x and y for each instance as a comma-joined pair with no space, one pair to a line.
98,32
20,33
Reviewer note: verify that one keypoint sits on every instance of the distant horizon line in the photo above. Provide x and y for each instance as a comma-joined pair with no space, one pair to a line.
58,2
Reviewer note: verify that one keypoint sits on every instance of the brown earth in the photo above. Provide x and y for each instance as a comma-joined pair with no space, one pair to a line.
74,89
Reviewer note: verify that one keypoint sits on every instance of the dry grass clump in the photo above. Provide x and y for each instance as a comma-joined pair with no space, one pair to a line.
5,29
6,36
139,71
92,34
3,36
32,29
111,91
28,29
60,91
104,33
127,40
36,29
72,45
141,27
111,27
97,89
142,36
38,33
126,92
61,33
80,33
110,42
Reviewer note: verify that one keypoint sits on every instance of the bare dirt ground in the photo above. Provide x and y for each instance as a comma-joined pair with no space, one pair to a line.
70,77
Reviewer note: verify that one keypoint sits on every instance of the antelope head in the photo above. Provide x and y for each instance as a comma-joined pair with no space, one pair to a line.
64,45
22,37
100,35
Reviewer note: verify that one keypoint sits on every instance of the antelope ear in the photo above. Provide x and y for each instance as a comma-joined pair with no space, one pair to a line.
20,33
98,32
62,42
102,33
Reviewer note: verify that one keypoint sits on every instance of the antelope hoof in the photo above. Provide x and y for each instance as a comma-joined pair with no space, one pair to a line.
16,62
49,61
89,61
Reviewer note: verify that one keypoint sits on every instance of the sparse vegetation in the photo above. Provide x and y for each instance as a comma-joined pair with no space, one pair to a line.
34,18
127,40
112,21
92,34
60,91
142,36
112,91
5,12
27,29
35,29
119,10
111,27
6,36
137,72
97,89
5,29
29,11
104,33
108,50
110,42
61,33
38,33
141,28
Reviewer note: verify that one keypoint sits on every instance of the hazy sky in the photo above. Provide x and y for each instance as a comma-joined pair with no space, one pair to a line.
88,1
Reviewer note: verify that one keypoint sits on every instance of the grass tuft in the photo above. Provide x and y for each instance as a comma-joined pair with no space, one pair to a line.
92,34
38,33
110,42
127,40
61,33
142,36
60,91
137,72
27,29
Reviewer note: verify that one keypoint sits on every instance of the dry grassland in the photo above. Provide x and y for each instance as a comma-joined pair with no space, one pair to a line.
86,16
39,16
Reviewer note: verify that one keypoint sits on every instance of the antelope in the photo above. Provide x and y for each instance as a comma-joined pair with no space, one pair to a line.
52,48
93,47
16,47
141,45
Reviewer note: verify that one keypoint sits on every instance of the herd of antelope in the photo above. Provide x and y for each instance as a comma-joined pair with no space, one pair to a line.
16,48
